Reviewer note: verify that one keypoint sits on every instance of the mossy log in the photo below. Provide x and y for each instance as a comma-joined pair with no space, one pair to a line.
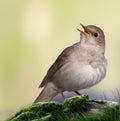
79,108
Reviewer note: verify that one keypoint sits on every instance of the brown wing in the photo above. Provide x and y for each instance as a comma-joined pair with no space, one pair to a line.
60,61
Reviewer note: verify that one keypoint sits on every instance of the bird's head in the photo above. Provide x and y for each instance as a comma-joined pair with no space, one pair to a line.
92,35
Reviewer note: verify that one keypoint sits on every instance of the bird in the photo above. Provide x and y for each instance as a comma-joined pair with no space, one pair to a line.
79,66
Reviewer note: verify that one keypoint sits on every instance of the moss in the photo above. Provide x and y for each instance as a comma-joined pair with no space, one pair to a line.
111,113
25,116
54,111
77,104
38,111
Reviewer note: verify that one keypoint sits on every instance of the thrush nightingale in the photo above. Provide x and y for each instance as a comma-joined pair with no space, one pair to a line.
79,66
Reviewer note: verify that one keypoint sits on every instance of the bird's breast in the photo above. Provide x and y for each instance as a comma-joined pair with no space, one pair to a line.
77,76
89,76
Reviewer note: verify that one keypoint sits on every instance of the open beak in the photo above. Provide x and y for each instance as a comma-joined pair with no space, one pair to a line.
86,31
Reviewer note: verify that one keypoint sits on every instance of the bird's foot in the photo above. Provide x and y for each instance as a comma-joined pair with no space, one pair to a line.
77,92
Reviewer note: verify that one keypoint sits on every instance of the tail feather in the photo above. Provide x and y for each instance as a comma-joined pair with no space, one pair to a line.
47,93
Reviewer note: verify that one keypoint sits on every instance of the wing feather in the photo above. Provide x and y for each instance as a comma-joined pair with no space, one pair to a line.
60,61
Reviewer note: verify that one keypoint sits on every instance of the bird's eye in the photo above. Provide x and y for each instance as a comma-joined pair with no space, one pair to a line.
95,34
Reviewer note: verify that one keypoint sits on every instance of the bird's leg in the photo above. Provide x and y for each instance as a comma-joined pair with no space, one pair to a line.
62,95
77,92
61,92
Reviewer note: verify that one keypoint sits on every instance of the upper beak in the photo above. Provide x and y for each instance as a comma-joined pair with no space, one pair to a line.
86,31
84,27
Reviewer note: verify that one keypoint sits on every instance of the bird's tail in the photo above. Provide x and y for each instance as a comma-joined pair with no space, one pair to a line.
47,93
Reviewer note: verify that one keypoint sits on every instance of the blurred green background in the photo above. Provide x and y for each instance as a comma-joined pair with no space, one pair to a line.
34,32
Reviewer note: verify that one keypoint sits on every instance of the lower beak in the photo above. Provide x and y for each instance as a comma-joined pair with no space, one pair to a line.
86,31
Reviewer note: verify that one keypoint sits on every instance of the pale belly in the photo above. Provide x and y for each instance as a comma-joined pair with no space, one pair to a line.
79,77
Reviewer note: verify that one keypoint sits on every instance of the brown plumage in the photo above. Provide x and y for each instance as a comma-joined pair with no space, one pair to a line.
79,66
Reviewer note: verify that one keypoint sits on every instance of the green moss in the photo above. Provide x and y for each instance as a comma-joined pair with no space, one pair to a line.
76,104
54,111
111,113
25,116
38,111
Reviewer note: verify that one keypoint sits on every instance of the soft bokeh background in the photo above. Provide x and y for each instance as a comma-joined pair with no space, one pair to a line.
34,32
